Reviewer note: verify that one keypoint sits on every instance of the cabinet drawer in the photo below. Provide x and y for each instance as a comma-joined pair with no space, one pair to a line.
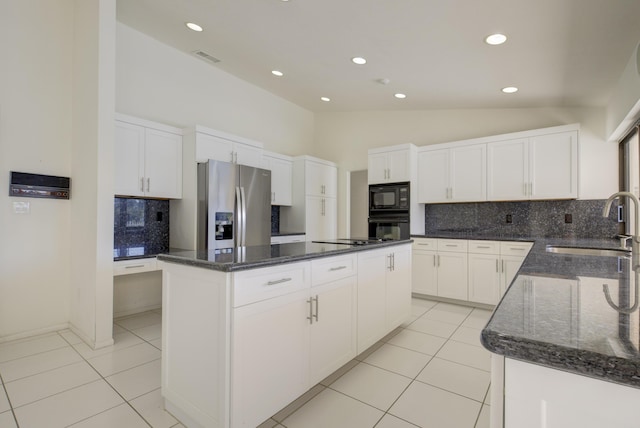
255,285
332,268
484,247
515,248
425,244
126,267
456,245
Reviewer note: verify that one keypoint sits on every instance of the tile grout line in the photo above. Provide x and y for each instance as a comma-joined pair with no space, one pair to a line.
15,419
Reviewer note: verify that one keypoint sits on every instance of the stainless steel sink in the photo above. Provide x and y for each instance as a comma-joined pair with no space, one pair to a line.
588,251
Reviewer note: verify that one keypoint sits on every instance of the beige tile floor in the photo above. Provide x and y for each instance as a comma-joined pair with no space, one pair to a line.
432,372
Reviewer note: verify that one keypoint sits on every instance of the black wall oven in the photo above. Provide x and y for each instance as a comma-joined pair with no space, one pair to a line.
389,211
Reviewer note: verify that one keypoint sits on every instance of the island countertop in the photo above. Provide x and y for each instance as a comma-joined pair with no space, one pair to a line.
555,313
236,259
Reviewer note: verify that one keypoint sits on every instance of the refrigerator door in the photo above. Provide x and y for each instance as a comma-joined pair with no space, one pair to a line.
255,188
217,218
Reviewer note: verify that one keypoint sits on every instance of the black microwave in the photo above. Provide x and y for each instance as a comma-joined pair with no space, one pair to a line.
388,197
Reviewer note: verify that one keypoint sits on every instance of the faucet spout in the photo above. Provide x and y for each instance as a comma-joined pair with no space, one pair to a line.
635,242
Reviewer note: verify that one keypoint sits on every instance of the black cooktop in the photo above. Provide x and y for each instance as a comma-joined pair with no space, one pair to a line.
350,241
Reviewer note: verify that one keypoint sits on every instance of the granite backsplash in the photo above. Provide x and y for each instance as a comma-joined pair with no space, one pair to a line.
561,219
141,227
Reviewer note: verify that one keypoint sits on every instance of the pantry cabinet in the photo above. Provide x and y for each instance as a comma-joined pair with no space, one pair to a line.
452,174
389,165
147,159
538,167
314,207
281,168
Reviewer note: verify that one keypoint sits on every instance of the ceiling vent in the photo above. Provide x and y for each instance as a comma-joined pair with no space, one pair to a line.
203,55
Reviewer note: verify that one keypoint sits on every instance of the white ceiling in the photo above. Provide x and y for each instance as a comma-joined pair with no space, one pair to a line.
559,52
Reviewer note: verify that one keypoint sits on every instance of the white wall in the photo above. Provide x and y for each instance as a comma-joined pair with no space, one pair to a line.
624,106
345,138
160,83
36,42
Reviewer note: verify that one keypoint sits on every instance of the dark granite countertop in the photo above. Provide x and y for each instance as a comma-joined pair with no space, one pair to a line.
231,260
555,313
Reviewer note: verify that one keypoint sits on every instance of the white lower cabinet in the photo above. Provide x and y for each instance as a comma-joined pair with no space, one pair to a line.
477,271
536,396
384,292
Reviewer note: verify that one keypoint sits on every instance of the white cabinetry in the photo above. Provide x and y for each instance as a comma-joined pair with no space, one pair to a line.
537,396
440,267
281,168
492,267
217,145
388,165
538,167
147,159
456,174
425,268
286,239
384,288
314,207
128,267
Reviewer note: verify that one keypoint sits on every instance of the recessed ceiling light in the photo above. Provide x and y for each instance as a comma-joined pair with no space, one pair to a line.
325,99
509,89
399,95
192,26
495,39
359,60
277,73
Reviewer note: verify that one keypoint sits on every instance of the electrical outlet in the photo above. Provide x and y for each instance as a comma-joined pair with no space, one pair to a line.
568,218
509,218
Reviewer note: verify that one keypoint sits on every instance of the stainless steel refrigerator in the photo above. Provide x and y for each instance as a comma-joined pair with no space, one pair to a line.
234,205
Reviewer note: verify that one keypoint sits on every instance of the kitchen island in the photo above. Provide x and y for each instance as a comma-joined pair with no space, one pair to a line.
245,332
564,355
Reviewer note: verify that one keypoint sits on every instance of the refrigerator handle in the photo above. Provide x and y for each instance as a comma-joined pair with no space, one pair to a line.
238,221
244,217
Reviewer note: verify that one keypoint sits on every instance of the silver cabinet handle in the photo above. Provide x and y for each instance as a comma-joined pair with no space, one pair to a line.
517,249
310,317
142,184
422,244
450,245
337,268
435,263
497,266
317,306
393,261
278,281
231,153
483,246
134,266
502,266
148,184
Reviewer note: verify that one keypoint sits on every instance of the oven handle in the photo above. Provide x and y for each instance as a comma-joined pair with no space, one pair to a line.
388,220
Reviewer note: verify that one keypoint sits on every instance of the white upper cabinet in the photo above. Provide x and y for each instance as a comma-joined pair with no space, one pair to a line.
455,174
389,166
538,167
216,145
147,159
321,179
281,168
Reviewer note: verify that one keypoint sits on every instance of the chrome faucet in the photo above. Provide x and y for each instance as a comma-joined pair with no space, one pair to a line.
635,240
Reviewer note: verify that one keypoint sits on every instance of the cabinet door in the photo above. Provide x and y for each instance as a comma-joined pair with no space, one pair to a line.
553,161
321,180
245,154
425,272
210,147
509,266
507,170
452,275
433,176
468,179
163,164
128,150
398,165
333,332
270,347
372,268
377,168
399,288
484,278
321,218
281,180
